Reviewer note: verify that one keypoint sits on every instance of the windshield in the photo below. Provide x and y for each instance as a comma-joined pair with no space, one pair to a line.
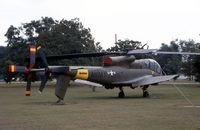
152,65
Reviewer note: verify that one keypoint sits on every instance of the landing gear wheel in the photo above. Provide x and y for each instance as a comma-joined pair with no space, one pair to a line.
145,94
145,91
121,94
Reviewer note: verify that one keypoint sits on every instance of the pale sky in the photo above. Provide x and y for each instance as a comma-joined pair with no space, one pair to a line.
149,21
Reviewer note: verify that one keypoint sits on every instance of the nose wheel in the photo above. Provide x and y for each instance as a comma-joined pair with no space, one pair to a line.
121,93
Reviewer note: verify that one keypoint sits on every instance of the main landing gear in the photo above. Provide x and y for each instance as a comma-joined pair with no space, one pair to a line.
121,93
144,88
145,91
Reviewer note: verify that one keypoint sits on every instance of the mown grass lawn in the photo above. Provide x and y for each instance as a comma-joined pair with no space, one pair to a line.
100,110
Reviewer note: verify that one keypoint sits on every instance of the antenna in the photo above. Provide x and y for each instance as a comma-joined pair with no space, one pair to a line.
115,38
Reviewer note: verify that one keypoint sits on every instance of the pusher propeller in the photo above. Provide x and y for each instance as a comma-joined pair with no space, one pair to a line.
30,71
26,70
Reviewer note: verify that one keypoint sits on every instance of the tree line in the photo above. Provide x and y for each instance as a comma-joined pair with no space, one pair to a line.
59,37
187,65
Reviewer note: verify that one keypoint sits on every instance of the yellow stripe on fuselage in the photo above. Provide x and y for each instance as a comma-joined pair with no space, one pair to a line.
82,74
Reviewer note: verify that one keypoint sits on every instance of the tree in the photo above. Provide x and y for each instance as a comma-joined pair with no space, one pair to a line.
170,64
56,37
7,76
126,45
3,53
186,64
190,66
196,65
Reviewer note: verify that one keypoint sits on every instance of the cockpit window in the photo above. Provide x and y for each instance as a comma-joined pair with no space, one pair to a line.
153,65
147,64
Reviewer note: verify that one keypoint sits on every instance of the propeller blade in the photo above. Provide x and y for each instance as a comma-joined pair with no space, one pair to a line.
44,77
32,50
44,80
28,85
22,69
17,69
42,56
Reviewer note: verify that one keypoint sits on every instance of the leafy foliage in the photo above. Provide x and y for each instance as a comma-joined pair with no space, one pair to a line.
186,64
125,45
56,37
170,63
70,36
191,63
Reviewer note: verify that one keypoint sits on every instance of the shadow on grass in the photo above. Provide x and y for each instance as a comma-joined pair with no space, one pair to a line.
78,99
155,96
50,103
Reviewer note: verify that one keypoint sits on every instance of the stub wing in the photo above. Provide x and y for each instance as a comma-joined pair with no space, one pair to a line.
87,83
148,80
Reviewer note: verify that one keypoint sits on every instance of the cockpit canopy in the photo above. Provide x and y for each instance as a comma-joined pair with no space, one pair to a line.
130,62
147,64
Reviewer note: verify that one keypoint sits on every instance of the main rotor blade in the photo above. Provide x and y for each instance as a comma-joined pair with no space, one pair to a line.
157,52
44,80
175,53
81,55
141,51
43,57
99,54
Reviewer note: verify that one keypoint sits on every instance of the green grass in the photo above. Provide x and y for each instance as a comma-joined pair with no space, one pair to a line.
100,110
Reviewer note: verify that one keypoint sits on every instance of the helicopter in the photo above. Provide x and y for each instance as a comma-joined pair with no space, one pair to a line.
117,71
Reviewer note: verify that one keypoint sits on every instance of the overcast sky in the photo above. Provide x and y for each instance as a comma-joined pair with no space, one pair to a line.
149,21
